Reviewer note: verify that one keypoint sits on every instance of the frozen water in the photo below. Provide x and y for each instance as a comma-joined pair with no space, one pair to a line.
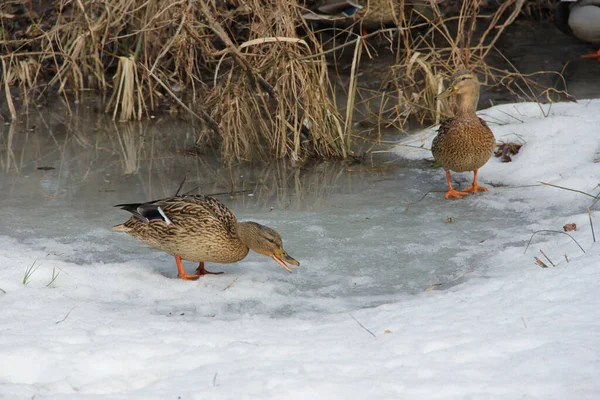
354,228
354,321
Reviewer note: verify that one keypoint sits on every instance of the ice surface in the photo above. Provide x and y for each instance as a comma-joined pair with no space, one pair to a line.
354,321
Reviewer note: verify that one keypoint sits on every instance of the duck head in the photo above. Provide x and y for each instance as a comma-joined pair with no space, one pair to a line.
266,241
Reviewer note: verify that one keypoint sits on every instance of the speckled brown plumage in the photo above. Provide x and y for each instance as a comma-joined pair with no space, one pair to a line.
196,223
200,229
464,142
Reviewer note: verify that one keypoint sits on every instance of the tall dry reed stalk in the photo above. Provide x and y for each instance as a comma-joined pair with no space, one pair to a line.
251,70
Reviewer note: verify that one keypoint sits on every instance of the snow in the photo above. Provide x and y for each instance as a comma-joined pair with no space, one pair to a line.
356,320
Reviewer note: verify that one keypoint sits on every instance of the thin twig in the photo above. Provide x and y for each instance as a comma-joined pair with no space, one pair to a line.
595,201
205,117
352,93
66,316
540,262
362,326
231,193
591,224
181,184
231,284
351,42
413,203
401,145
549,260
216,27
551,231
176,36
565,188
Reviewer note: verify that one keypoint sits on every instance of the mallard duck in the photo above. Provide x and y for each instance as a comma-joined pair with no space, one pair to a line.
464,142
374,13
200,229
581,19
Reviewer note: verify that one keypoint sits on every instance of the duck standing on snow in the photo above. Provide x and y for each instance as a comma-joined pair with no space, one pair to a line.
580,18
200,229
464,142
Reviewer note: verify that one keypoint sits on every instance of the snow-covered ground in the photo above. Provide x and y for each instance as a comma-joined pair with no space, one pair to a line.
356,320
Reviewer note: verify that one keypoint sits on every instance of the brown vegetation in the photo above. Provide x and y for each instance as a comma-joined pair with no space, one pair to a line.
505,150
252,70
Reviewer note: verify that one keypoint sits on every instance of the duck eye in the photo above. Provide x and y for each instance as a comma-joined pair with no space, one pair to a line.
463,78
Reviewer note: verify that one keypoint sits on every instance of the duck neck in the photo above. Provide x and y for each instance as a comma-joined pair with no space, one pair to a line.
466,104
246,233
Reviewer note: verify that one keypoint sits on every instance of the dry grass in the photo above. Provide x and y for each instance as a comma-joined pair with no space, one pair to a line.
251,70
430,47
274,96
241,73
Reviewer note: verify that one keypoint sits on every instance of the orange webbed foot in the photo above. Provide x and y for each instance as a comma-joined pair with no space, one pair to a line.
455,194
181,271
595,55
187,277
202,271
475,189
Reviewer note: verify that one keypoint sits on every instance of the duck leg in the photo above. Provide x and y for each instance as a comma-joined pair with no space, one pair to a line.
474,188
595,55
201,271
182,273
451,193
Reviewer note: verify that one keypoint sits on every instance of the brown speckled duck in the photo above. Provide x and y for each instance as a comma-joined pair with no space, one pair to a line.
200,229
464,142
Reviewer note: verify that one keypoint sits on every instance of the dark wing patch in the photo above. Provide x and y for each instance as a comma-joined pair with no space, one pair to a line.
146,212
153,211
133,208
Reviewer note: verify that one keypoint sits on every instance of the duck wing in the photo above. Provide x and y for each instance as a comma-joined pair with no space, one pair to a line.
181,210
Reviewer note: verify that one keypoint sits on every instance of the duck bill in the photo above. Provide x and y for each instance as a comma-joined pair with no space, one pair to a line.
281,257
446,93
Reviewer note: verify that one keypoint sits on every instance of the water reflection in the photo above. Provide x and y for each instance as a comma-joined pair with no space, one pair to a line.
50,156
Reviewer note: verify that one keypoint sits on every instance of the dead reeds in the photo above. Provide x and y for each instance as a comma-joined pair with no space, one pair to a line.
271,95
253,71
236,65
430,46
